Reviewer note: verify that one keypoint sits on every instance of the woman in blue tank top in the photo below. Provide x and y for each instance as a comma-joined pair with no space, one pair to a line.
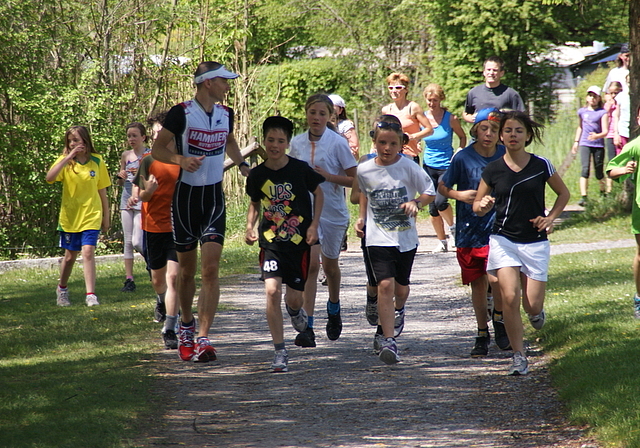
437,156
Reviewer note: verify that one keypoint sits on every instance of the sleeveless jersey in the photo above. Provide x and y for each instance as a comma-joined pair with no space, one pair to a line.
203,135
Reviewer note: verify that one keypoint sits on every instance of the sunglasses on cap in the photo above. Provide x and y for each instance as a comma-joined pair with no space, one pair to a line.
386,125
398,87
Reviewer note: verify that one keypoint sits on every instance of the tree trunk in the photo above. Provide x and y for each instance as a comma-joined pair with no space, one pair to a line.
634,65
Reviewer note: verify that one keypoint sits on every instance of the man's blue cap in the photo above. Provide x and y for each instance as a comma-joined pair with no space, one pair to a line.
484,115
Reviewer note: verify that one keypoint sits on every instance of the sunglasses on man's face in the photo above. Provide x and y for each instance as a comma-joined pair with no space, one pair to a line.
398,87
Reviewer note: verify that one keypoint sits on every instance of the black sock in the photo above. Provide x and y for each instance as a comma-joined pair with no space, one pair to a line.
483,332
497,316
379,330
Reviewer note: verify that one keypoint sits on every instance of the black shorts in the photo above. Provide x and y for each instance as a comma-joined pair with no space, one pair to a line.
389,262
371,279
198,214
292,267
158,249
440,203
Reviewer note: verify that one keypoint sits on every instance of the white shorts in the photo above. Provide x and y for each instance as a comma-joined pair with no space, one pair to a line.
331,236
531,258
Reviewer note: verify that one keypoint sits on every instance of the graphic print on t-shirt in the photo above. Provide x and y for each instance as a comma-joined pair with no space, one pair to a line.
387,214
276,205
204,142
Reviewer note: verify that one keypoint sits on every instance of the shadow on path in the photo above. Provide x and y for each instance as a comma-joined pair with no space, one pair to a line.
340,394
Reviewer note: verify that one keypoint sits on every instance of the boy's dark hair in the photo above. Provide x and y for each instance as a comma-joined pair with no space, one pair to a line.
392,123
277,122
498,60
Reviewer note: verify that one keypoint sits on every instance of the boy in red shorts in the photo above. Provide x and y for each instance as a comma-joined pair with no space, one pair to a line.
472,231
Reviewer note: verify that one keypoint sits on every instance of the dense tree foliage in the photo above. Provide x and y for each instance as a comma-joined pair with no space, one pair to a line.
105,63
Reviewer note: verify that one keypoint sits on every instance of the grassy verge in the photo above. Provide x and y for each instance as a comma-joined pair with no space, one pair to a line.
593,337
79,376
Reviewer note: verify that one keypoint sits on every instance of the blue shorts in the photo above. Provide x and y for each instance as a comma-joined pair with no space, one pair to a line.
75,241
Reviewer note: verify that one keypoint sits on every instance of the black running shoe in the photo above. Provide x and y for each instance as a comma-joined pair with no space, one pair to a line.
170,340
160,312
334,326
502,340
481,348
307,338
129,286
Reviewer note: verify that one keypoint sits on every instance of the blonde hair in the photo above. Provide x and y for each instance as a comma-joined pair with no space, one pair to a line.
435,89
395,77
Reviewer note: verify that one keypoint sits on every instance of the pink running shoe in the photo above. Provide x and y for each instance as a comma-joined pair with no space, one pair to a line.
186,348
204,351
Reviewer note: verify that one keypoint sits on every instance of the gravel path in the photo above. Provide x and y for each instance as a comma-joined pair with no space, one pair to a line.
340,394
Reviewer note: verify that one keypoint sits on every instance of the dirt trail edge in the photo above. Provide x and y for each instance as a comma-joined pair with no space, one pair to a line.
340,394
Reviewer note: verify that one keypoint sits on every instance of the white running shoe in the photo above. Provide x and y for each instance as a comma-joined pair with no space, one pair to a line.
300,320
389,352
537,321
280,361
62,297
92,300
441,246
520,364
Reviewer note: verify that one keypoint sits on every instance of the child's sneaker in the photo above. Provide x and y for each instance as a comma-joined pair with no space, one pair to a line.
489,308
62,297
160,311
371,311
378,339
307,338
129,285
481,347
92,300
520,365
204,351
280,361
170,340
186,347
398,323
441,246
389,352
636,312
537,321
502,340
300,320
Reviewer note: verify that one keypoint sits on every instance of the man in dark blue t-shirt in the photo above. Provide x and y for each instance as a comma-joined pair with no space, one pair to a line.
492,93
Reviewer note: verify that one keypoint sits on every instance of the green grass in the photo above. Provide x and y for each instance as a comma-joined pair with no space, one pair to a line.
79,376
594,339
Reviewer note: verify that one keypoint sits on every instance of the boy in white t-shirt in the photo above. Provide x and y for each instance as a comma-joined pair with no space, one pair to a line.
388,185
